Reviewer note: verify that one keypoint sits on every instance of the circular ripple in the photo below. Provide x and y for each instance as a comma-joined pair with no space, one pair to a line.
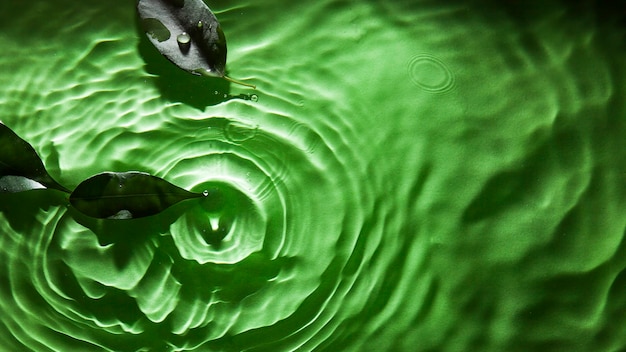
431,74
209,268
225,227
326,228
244,212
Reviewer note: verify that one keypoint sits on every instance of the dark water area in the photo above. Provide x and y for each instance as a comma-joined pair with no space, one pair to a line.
406,176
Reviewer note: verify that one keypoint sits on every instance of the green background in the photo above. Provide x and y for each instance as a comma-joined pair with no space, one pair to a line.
409,176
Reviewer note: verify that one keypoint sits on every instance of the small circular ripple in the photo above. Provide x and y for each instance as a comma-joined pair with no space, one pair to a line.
431,74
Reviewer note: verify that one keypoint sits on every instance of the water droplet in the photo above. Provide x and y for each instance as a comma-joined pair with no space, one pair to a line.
431,74
205,193
183,38
216,92
254,97
200,24
184,41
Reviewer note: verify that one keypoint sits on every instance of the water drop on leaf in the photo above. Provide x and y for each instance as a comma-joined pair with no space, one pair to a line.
184,41
206,54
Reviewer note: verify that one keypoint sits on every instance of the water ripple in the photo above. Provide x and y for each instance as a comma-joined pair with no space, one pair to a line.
420,168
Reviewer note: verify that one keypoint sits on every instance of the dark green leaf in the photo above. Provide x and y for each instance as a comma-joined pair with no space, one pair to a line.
188,34
21,169
126,195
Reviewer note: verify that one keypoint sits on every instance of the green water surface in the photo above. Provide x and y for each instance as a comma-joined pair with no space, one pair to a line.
410,176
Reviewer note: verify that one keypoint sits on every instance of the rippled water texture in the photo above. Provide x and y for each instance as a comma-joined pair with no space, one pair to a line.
410,176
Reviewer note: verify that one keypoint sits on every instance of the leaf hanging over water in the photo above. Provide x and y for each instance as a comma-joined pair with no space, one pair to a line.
21,169
126,195
188,34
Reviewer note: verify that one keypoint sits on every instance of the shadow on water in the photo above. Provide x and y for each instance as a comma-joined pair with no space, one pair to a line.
227,282
21,209
127,235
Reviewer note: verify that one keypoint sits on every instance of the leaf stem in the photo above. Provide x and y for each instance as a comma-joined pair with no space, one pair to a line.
239,82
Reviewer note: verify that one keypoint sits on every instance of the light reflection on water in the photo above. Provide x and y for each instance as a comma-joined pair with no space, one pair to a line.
408,176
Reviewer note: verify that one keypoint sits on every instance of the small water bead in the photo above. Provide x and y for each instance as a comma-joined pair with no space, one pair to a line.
254,97
184,41
216,203
183,38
